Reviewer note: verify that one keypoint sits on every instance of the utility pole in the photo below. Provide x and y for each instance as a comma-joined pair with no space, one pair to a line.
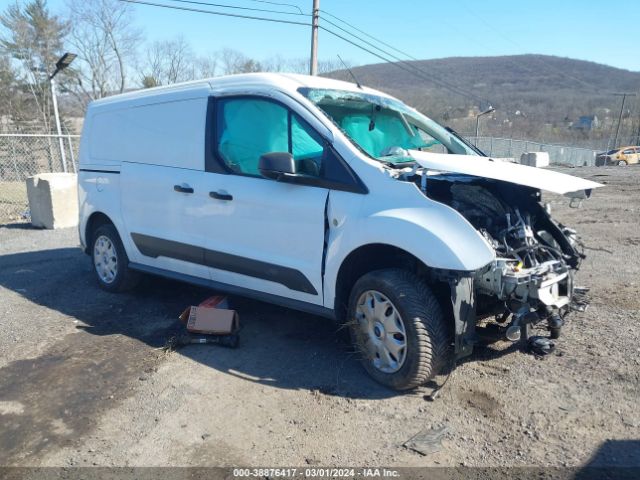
313,70
624,97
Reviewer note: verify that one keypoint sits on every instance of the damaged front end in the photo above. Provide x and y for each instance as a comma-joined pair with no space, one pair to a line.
531,280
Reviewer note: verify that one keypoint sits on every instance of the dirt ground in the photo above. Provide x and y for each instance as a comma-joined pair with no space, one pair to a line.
84,380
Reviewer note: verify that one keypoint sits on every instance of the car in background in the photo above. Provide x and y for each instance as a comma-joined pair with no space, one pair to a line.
619,156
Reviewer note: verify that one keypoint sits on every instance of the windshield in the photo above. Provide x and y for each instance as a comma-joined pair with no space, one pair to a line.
383,127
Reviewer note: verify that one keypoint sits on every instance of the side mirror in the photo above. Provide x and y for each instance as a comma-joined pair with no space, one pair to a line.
276,165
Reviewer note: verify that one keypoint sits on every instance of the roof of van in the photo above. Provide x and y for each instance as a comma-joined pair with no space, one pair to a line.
282,81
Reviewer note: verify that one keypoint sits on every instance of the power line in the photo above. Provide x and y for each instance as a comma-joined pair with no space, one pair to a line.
211,12
418,73
440,82
413,70
277,3
366,34
539,60
481,19
518,65
222,5
389,54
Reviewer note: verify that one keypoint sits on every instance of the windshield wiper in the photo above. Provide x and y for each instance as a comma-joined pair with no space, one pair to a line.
465,141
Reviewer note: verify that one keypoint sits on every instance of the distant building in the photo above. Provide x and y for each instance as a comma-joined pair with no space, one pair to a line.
585,123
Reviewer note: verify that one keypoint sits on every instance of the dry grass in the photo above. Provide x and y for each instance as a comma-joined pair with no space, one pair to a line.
13,201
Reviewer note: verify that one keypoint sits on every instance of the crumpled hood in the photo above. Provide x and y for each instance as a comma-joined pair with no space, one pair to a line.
499,170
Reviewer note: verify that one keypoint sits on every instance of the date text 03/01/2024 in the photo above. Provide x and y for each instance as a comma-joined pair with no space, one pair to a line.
315,472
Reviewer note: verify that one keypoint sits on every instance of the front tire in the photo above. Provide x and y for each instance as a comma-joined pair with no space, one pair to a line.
397,326
110,261
622,163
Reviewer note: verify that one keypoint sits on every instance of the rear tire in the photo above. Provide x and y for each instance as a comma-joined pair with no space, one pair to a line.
397,326
110,261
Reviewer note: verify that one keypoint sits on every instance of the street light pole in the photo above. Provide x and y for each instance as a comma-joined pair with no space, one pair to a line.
54,99
61,64
313,67
488,110
624,97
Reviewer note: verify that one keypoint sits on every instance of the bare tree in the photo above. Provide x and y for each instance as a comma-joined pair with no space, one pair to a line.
327,66
277,63
300,65
208,65
105,39
168,61
232,61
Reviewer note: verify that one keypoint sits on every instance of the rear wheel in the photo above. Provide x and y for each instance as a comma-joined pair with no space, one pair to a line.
398,328
110,261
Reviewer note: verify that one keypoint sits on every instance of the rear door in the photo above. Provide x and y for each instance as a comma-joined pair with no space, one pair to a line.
163,191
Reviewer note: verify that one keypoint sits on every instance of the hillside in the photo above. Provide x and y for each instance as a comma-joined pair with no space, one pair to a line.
536,96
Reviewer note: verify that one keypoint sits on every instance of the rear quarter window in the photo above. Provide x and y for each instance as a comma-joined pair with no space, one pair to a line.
168,134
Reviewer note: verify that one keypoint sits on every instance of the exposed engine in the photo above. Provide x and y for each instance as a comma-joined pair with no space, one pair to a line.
531,279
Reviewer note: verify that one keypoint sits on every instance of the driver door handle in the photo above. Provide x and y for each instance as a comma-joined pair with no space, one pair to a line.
181,189
220,196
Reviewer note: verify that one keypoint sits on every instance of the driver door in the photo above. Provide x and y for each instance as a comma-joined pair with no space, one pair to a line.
265,235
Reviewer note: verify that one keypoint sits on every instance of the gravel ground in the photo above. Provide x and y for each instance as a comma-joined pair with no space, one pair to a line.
84,379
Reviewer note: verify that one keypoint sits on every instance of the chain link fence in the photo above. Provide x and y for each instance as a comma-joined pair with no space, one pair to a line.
558,154
22,156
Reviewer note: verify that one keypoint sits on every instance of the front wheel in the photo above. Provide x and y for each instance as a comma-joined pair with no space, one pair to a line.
110,261
622,163
398,328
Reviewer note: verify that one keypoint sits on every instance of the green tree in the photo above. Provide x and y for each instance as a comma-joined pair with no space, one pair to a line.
33,38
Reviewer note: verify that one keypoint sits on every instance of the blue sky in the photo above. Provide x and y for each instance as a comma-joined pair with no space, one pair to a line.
596,30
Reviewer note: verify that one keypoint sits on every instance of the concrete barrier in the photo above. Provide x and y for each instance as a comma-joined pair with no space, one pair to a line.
53,200
535,159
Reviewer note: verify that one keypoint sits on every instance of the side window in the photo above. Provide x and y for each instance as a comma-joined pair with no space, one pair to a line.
250,127
307,148
428,143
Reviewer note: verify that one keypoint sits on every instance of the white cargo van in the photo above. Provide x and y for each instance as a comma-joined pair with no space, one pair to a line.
329,198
